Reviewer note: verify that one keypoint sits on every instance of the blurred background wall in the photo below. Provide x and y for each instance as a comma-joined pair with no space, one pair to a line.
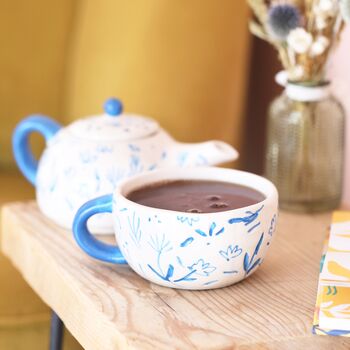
182,62
261,90
34,36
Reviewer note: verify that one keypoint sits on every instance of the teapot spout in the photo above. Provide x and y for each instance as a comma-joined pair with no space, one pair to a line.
203,154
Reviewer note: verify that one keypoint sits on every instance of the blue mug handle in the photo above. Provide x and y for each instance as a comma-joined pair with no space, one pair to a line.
20,142
86,241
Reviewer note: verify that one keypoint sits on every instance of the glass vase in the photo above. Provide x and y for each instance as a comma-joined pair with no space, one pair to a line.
305,148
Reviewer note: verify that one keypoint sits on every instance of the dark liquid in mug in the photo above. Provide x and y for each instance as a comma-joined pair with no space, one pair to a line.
195,196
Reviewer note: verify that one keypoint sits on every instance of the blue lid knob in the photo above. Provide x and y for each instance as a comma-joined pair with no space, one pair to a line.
113,107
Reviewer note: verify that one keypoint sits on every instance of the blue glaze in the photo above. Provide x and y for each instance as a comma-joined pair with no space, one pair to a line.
141,268
248,219
202,268
231,252
201,160
88,157
162,246
179,261
273,225
187,220
170,272
186,242
248,263
200,232
168,275
104,149
212,228
210,282
187,277
152,167
135,230
229,272
135,165
211,231
113,107
86,241
181,158
134,148
253,227
20,142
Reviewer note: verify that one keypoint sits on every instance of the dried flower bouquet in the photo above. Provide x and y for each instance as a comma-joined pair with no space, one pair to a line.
304,32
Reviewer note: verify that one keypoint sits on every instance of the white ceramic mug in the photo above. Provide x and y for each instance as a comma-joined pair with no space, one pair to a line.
184,250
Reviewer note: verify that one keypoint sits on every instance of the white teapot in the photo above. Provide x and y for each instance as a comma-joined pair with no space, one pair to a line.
89,157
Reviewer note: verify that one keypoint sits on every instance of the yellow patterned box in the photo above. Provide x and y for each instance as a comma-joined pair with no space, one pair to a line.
332,314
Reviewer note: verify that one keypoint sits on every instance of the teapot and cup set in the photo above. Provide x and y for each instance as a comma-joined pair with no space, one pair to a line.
179,221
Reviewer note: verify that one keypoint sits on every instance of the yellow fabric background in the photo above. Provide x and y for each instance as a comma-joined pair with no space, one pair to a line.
33,37
182,62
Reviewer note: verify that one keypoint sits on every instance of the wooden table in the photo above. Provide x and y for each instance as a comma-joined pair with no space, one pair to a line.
109,307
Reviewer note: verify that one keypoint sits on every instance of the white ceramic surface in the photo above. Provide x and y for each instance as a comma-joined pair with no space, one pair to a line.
187,250
91,156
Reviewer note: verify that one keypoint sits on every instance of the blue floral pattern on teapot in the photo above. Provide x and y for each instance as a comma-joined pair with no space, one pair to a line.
91,156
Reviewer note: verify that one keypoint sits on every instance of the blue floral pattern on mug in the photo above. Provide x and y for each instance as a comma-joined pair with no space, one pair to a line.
239,250
231,252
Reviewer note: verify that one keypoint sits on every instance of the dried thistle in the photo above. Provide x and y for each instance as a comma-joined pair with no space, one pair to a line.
304,32
282,19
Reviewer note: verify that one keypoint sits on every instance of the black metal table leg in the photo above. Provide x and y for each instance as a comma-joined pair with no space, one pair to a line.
56,332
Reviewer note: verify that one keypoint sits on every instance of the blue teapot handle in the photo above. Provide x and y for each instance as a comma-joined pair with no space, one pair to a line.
23,155
86,241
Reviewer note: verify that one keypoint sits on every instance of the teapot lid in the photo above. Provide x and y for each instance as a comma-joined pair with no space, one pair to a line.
114,125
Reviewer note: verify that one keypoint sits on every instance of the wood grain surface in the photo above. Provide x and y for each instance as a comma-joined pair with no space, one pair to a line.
109,307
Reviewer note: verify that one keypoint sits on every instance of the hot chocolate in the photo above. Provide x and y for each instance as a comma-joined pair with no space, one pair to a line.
196,196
